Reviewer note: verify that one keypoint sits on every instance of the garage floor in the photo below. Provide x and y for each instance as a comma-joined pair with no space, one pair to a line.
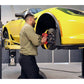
52,71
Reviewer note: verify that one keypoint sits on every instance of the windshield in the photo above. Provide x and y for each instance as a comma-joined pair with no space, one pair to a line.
33,11
38,9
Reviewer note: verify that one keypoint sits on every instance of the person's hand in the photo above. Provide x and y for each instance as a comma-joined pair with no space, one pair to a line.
44,39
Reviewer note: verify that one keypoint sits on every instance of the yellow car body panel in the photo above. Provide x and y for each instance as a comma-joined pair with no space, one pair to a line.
71,26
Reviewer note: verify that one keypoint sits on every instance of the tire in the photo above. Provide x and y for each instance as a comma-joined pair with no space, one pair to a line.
51,39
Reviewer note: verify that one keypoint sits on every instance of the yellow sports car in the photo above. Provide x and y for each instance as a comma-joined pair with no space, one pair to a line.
64,27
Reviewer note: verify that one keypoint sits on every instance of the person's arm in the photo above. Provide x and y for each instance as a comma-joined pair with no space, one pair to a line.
32,36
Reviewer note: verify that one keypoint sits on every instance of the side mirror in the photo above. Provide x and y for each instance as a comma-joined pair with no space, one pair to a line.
19,15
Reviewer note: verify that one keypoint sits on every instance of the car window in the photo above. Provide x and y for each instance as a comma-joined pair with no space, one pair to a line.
76,11
71,11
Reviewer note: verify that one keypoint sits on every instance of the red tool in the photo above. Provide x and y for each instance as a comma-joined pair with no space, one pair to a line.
45,35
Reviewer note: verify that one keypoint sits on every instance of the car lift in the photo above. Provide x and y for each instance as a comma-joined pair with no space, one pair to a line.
12,54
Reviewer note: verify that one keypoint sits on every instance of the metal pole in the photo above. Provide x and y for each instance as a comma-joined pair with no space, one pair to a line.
52,56
83,64
0,56
69,56
0,46
12,10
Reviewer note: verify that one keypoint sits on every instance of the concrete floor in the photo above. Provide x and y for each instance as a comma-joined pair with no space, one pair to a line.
52,71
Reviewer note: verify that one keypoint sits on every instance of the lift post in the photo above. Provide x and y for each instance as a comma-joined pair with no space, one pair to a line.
0,56
12,57
83,64
0,45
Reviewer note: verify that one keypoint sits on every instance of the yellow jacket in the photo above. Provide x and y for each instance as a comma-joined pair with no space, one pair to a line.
29,40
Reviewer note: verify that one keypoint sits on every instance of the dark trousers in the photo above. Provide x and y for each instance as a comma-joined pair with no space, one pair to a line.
29,68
